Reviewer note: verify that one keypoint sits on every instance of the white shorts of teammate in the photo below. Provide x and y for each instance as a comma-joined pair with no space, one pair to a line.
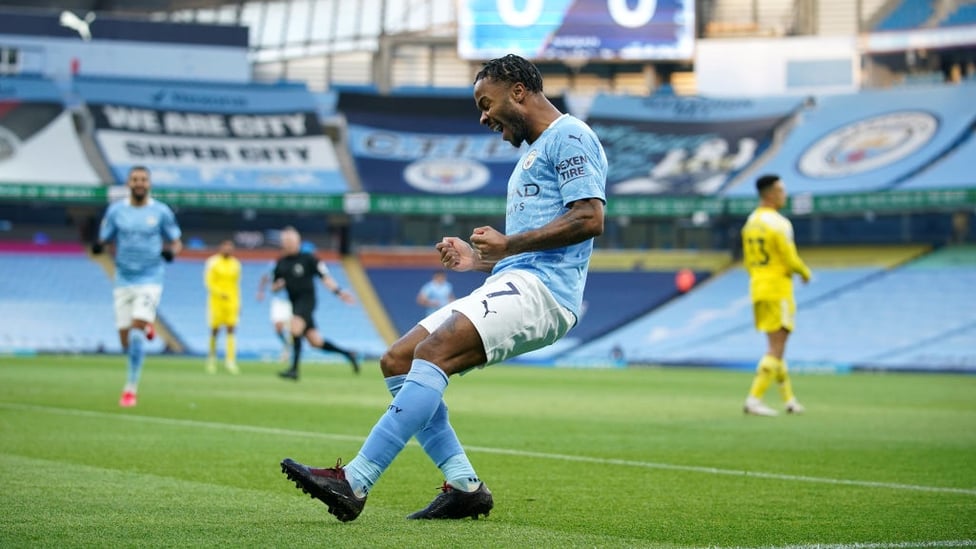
513,312
280,310
137,302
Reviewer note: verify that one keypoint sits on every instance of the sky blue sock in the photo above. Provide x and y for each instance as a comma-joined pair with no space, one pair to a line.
410,411
440,442
137,352
393,383
459,472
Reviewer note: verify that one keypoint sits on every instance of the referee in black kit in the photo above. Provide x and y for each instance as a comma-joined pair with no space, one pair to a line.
296,272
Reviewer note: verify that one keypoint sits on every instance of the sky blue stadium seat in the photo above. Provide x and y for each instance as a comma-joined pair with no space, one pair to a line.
184,307
58,303
918,316
964,15
909,14
689,329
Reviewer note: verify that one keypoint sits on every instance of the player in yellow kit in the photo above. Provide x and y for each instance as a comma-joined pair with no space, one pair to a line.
222,277
770,257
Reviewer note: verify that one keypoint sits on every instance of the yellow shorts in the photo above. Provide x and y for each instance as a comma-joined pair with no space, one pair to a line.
770,316
223,313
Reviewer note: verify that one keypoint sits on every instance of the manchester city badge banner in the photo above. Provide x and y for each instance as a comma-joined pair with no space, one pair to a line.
435,145
877,140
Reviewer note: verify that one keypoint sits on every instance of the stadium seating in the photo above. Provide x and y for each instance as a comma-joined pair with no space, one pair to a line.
949,352
57,303
605,306
688,329
63,303
397,289
917,316
909,14
936,329
965,14
953,170
866,309
184,308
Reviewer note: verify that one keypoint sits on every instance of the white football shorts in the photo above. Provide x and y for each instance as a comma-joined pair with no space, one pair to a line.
137,302
513,312
280,310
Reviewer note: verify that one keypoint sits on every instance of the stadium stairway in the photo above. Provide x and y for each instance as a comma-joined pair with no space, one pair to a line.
368,298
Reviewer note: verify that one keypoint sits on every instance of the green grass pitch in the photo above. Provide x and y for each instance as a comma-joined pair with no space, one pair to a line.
644,457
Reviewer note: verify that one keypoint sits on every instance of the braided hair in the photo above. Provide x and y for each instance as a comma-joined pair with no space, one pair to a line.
512,69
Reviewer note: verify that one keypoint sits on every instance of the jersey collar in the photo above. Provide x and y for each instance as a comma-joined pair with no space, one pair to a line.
149,201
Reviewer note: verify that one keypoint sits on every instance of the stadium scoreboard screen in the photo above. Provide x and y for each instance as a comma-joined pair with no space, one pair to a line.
606,30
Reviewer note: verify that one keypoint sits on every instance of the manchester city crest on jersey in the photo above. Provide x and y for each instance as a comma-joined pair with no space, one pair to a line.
152,220
529,159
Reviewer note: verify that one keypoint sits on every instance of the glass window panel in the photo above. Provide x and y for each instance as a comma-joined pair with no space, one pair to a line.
370,17
297,30
322,11
393,18
251,17
445,12
348,19
227,15
206,16
273,24
182,16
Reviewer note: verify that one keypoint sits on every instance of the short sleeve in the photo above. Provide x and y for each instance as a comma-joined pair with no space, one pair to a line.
580,164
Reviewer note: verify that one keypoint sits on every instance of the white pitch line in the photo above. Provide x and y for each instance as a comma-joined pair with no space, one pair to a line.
728,472
872,545
509,452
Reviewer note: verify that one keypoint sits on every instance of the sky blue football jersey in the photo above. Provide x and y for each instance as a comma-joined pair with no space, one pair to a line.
138,233
440,294
566,163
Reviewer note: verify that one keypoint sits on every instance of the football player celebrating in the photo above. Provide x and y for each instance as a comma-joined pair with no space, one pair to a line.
145,234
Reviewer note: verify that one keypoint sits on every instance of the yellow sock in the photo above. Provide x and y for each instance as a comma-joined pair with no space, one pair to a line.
765,371
231,349
213,346
783,377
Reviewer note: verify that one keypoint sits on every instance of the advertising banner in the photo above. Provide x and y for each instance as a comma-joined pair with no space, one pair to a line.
577,29
36,128
425,145
870,141
632,206
243,139
667,145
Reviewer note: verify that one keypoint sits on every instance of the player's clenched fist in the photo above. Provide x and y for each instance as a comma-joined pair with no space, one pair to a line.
490,244
456,254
